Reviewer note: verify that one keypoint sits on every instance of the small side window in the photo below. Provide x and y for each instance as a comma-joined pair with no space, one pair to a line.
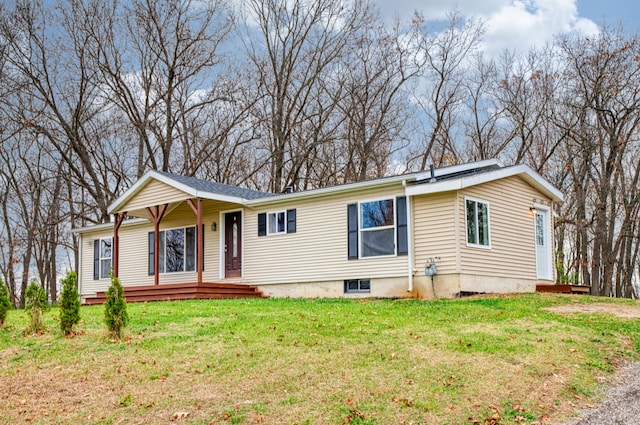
477,215
102,258
276,223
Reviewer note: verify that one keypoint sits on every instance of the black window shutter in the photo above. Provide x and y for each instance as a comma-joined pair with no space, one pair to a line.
151,253
262,224
401,218
352,230
202,247
96,259
291,221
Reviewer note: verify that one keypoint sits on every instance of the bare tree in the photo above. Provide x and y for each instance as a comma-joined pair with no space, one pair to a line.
294,49
448,54
603,100
525,95
482,123
161,65
380,64
59,103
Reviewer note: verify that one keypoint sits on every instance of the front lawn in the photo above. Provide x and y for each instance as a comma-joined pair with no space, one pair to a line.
501,360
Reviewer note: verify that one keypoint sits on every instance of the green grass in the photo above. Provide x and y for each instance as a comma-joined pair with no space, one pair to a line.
281,361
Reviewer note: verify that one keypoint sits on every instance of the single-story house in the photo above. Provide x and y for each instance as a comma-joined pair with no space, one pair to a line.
480,227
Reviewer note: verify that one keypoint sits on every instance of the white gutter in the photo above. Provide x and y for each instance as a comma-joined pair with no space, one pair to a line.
326,191
104,226
409,239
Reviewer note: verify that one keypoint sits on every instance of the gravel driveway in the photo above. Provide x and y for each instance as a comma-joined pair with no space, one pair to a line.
622,403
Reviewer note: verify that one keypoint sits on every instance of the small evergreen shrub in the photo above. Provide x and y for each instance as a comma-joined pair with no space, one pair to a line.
35,304
69,303
5,302
115,309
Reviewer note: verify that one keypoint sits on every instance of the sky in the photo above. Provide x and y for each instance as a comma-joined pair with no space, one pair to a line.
519,24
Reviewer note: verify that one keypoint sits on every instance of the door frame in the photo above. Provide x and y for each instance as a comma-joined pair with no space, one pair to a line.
546,212
221,220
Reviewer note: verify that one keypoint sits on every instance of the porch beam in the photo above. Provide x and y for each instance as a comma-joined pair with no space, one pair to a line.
197,209
156,213
118,219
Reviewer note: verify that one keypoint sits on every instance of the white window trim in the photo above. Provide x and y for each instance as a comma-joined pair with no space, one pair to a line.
184,262
269,213
466,234
100,258
394,226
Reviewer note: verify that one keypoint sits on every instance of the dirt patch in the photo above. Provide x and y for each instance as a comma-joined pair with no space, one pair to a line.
624,311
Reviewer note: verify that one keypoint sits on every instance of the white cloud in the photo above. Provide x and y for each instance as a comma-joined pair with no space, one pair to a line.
523,23
511,24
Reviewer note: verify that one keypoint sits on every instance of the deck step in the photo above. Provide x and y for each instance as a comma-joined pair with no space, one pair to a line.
181,291
563,289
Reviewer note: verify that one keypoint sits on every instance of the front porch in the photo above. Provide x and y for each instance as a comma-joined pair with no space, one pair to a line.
181,291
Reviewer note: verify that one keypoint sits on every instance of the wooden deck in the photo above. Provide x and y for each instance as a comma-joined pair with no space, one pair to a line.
181,291
564,289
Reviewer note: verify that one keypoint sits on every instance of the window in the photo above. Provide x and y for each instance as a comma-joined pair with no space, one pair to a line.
178,250
102,258
540,229
377,228
277,223
477,213
357,286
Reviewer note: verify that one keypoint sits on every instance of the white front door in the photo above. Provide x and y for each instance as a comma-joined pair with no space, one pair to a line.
543,244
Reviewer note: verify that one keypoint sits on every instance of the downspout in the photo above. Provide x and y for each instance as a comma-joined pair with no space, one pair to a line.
79,265
409,239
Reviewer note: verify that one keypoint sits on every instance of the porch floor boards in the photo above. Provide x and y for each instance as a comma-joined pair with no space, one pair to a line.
181,291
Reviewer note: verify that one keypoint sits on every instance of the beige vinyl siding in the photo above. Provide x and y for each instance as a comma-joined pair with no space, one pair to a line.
155,193
434,232
512,253
318,250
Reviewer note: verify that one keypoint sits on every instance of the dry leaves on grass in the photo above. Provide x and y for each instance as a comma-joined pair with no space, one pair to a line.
179,415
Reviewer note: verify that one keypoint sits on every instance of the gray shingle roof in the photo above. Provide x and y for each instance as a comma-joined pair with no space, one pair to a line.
214,187
459,174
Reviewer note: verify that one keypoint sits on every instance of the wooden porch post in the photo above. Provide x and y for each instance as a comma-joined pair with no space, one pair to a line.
119,218
156,216
197,209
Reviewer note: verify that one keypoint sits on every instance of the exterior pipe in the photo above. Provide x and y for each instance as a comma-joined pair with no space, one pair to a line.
409,239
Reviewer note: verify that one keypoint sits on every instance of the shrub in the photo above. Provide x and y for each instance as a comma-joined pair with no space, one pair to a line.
35,303
69,303
115,309
5,302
